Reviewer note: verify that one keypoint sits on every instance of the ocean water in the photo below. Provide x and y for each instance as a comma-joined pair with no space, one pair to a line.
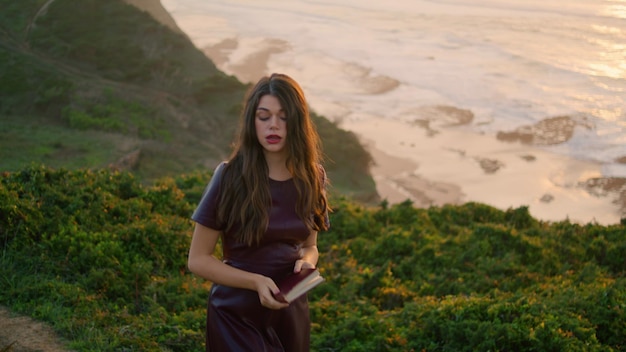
512,63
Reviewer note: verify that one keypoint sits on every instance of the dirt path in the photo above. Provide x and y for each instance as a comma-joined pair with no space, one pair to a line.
27,335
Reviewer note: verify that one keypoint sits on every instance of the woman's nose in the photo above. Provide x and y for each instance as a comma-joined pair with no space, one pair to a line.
274,122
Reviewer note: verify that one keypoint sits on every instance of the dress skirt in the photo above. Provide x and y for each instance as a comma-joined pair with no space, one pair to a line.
236,320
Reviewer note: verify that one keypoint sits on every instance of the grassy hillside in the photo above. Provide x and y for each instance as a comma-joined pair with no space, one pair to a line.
91,84
102,259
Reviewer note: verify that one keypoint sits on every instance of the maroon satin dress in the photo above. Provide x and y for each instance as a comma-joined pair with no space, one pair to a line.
236,320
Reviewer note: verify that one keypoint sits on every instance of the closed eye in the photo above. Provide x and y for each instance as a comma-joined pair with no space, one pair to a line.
263,115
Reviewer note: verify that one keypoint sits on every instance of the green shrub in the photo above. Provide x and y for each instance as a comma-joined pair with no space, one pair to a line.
102,258
93,239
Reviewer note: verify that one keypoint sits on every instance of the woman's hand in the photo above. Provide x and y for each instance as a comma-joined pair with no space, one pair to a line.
265,287
202,263
308,254
302,264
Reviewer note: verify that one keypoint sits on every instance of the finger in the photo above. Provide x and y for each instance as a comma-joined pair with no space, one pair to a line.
272,303
307,265
298,266
268,300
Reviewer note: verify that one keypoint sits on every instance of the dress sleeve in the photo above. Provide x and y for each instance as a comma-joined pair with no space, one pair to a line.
206,211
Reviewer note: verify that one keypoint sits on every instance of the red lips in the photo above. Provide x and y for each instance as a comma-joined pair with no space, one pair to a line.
273,139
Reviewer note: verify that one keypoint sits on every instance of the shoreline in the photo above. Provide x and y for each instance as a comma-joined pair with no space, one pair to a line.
396,182
431,158
438,170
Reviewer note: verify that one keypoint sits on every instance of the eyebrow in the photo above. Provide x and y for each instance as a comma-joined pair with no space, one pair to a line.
266,109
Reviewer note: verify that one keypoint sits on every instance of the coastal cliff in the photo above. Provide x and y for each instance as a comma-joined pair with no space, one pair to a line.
156,10
130,91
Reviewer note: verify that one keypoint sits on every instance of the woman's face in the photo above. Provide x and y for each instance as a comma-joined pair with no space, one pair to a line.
271,125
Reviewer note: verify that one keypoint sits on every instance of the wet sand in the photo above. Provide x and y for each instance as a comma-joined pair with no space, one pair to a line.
397,181
454,166
251,67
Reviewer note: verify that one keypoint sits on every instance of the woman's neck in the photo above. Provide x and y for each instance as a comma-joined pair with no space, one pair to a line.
277,167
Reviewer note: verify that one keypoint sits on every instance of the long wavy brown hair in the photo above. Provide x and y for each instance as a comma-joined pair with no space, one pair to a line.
245,199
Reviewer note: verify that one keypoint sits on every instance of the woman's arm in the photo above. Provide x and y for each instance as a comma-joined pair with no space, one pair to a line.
203,263
310,254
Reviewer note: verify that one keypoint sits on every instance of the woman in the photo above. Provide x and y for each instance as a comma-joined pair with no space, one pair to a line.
267,204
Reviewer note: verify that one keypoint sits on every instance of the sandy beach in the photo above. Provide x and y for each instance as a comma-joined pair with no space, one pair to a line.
454,167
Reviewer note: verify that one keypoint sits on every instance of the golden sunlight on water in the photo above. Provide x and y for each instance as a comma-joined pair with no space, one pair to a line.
613,52
616,10
602,69
610,115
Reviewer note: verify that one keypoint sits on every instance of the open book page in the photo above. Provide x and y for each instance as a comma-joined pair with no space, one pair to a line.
298,284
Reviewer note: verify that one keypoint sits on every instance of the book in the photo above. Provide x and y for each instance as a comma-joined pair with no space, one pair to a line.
295,285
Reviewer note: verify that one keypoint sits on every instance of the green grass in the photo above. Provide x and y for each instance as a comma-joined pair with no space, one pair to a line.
27,140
